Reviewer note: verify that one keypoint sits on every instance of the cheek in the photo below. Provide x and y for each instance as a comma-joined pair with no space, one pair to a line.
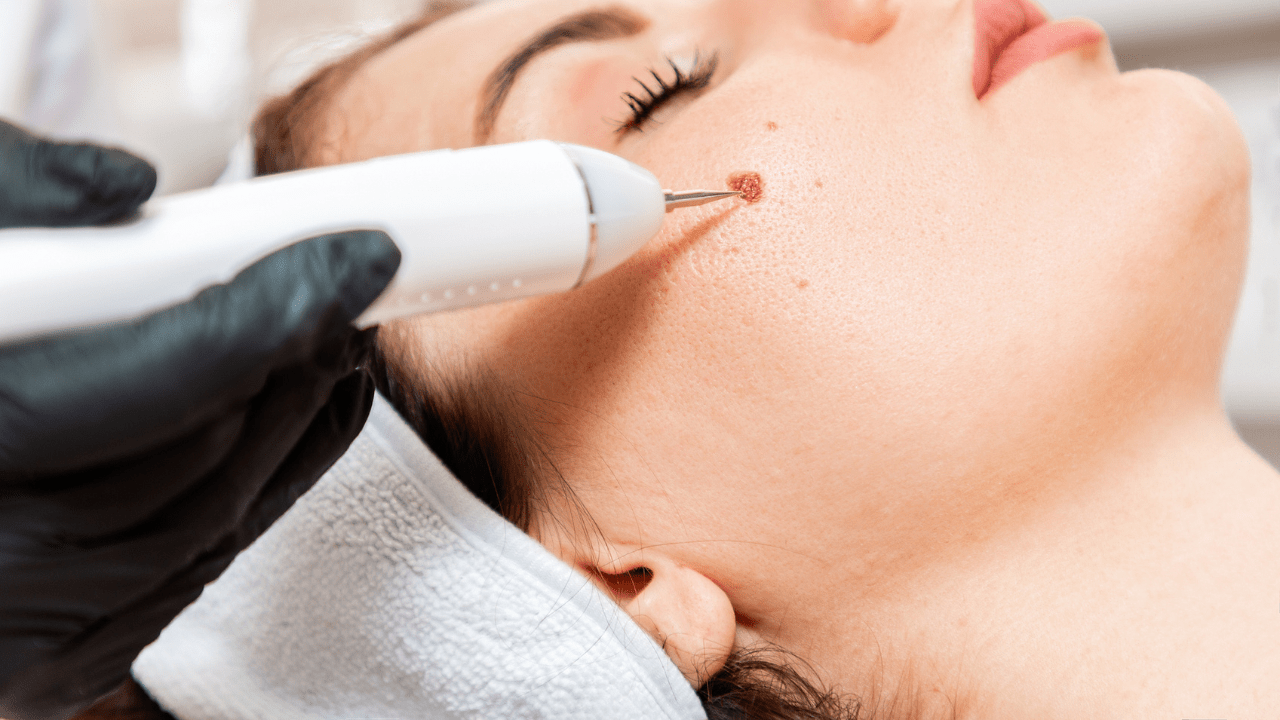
857,193
918,276
934,264
839,289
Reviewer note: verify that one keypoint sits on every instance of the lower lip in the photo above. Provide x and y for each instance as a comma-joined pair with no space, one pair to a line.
1042,43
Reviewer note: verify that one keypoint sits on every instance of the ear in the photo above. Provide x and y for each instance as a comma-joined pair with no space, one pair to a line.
687,613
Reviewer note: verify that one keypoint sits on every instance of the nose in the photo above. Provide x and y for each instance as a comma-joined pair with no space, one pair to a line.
933,37
859,21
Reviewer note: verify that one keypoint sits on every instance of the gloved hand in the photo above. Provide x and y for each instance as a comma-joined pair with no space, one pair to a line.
47,184
137,460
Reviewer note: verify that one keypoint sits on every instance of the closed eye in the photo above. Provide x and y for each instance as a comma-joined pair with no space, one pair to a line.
648,100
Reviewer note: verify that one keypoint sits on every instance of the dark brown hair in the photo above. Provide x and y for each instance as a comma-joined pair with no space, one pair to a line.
286,132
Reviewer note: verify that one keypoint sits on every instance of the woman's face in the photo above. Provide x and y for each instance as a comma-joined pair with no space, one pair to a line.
943,308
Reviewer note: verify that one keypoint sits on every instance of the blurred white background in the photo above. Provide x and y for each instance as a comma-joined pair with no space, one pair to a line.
177,80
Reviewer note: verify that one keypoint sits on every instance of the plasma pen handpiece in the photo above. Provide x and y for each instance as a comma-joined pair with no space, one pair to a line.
474,226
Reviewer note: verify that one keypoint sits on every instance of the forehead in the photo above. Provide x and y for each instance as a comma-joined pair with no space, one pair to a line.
424,92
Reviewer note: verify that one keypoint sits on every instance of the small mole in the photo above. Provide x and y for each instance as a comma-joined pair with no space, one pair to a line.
749,184
818,183
771,126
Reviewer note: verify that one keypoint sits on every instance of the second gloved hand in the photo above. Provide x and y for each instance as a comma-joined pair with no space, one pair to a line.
137,460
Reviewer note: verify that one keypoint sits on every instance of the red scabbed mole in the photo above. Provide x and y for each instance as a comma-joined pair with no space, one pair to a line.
749,184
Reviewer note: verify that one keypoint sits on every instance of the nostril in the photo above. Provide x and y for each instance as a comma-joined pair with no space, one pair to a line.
858,21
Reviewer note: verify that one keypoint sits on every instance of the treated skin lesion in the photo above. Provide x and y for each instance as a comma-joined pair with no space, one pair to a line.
749,184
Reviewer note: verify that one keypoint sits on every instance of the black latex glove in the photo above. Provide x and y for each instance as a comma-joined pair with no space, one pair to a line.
47,184
137,460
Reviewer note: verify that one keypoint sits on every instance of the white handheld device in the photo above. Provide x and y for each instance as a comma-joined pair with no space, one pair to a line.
474,226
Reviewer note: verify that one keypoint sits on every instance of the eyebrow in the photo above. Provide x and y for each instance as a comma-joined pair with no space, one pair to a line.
610,23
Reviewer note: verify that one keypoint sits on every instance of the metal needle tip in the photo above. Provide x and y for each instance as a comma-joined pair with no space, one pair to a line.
693,198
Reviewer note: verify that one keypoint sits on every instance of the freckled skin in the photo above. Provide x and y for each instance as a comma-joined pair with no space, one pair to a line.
749,184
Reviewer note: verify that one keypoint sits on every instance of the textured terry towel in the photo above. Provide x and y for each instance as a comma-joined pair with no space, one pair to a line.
389,592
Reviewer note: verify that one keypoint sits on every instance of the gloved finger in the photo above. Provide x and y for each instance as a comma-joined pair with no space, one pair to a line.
113,570
44,183
100,657
110,616
80,400
68,509
331,432
62,681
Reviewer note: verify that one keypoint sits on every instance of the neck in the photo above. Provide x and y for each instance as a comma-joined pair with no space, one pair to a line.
1148,586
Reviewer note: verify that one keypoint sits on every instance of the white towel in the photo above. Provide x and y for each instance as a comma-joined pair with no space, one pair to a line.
389,592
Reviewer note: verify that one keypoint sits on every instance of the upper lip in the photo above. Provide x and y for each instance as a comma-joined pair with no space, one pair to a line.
998,24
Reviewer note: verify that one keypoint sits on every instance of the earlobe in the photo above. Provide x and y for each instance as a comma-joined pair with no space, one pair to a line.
688,614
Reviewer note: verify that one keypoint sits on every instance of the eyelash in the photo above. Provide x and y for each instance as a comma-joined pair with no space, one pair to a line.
643,106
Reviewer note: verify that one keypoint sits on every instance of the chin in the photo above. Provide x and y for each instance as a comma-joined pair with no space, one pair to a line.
1188,201
1183,162
1194,127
